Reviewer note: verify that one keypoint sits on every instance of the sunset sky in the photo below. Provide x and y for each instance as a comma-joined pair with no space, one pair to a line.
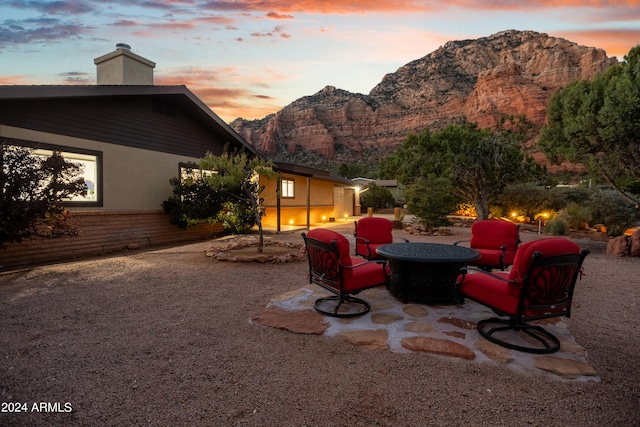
251,58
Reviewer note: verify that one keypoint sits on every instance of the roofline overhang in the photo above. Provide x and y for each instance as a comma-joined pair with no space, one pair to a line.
306,171
72,91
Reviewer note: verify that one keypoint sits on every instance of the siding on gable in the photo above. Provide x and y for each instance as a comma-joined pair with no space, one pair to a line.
128,121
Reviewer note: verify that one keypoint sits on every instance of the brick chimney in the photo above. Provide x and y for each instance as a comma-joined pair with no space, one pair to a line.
122,67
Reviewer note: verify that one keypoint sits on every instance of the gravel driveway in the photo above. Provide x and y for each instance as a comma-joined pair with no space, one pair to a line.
164,338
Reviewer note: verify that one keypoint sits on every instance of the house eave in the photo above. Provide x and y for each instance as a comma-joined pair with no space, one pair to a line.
187,99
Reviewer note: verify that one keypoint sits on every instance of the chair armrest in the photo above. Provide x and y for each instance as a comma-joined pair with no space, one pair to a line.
460,241
465,270
353,267
401,238
366,242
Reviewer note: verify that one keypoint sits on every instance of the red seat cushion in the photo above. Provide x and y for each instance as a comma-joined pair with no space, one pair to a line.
363,276
491,291
502,291
488,257
375,230
327,236
492,234
357,273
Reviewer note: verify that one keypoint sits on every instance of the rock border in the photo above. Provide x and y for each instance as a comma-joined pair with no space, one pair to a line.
220,251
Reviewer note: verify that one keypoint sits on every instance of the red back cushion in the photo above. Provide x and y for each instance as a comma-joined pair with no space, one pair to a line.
375,230
326,236
549,247
491,234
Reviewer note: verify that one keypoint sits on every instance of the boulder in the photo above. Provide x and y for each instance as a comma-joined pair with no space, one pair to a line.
634,243
618,246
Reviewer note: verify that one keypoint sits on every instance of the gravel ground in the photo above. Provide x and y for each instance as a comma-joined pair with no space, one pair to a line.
164,338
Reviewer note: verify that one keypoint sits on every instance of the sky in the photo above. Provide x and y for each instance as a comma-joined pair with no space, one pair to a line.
251,58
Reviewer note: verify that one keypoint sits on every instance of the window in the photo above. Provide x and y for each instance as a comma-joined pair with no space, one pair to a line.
91,166
288,188
191,171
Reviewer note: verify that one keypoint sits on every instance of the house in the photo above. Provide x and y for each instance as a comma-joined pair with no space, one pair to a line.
307,196
132,137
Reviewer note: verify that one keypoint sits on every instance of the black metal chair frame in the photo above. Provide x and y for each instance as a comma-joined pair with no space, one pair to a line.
563,271
328,272
369,256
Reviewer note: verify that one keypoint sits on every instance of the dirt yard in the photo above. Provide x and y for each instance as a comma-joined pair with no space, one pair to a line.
165,338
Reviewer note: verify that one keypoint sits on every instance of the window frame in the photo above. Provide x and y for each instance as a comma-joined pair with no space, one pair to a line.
290,192
99,184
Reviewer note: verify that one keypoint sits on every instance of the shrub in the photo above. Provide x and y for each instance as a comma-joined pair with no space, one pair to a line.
556,227
614,211
431,200
376,197
193,202
237,217
575,215
528,200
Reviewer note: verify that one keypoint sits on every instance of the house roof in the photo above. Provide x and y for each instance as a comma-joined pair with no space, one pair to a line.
180,94
320,174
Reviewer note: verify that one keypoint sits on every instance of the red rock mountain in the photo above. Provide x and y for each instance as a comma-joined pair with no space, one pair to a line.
508,73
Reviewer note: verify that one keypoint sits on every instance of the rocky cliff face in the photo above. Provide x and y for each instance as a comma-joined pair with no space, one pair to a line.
508,73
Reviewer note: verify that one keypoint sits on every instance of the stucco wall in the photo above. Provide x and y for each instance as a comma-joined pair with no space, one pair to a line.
132,178
326,200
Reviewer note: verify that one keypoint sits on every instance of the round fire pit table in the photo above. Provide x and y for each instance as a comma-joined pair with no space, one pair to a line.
426,272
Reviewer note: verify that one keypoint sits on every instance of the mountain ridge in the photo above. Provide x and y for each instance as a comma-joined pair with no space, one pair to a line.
510,73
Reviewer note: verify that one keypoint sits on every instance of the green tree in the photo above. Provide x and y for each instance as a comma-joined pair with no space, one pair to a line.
528,199
33,190
478,162
431,199
597,123
375,196
240,170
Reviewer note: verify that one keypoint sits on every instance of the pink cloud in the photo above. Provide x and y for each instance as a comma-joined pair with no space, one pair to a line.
616,42
273,15
276,32
228,91
15,80
401,6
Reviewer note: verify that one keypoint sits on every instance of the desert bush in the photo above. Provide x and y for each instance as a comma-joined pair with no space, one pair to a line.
556,227
237,217
575,215
376,197
561,197
193,202
614,211
528,200
431,200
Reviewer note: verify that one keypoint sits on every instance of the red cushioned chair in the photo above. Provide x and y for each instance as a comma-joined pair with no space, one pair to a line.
332,267
496,241
540,285
370,233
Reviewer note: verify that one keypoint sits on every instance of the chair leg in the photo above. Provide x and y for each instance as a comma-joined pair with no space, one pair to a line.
352,306
549,343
